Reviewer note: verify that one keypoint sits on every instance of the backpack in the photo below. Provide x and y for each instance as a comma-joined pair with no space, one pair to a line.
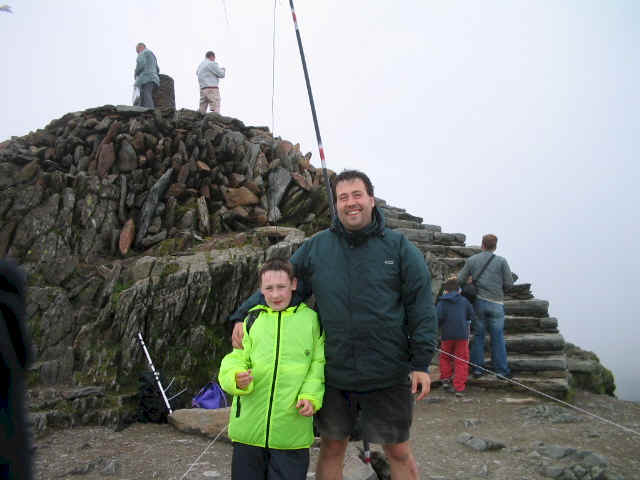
151,407
210,396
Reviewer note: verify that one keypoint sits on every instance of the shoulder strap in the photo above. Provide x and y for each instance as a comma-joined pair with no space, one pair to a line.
251,318
484,268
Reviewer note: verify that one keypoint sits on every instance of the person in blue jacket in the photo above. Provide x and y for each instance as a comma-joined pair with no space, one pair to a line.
455,315
373,293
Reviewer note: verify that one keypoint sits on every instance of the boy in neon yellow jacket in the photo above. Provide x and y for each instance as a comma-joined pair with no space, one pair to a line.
277,380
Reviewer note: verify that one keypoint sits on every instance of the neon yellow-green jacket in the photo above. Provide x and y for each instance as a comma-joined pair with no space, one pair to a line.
285,352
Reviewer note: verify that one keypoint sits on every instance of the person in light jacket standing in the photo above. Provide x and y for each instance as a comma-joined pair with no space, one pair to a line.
209,73
146,75
489,305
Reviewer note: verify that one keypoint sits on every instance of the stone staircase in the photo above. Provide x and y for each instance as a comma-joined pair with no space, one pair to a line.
535,348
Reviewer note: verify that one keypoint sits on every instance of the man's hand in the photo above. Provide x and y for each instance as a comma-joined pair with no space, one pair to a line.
305,407
422,379
243,379
236,336
470,279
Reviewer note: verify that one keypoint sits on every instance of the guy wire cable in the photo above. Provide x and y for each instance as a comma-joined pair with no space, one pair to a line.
622,427
332,207
203,452
273,70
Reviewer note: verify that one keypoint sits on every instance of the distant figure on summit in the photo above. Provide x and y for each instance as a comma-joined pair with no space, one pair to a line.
146,75
209,73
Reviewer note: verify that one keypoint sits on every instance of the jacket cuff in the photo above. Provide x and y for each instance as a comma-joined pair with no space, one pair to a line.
317,405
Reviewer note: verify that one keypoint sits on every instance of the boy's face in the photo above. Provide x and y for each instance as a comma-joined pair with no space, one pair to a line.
277,288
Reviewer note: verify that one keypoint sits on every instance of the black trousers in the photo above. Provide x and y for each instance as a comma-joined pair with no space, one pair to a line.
257,463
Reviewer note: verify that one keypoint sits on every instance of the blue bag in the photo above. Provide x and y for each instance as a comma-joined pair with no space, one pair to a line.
210,396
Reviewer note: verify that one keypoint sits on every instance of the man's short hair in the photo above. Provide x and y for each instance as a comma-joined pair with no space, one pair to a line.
350,175
140,44
276,265
489,241
451,285
209,54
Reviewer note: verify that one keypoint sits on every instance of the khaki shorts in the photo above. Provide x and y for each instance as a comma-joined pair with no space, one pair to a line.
381,416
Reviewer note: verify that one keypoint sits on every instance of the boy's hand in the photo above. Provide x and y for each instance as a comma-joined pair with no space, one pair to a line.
305,407
243,379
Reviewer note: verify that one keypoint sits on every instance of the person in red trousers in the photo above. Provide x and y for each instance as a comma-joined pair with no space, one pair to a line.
455,315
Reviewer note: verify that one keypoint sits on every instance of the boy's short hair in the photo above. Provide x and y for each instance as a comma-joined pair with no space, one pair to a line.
276,265
490,241
451,285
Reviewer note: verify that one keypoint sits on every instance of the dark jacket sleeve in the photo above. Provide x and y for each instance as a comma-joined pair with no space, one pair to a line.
418,304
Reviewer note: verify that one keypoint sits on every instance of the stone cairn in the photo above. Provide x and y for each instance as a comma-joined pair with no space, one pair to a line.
132,220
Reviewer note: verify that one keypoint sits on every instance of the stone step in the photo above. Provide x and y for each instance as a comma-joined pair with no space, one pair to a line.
517,324
426,236
557,387
527,308
400,214
553,364
396,223
446,251
532,343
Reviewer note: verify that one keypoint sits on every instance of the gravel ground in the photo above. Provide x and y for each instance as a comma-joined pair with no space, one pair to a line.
522,423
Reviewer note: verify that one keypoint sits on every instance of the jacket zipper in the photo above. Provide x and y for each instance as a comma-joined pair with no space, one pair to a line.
273,383
238,406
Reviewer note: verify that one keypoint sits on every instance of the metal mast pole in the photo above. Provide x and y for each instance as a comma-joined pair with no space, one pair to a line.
332,207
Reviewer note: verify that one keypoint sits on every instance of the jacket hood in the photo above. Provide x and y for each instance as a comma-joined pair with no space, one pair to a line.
375,228
452,297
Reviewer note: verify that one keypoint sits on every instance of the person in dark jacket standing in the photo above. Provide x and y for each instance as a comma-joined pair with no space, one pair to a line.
146,75
373,293
489,305
15,357
455,315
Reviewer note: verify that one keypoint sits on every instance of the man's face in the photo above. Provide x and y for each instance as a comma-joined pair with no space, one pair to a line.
139,48
354,204
277,288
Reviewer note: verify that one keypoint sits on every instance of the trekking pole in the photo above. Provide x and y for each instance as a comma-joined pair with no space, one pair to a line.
155,374
332,207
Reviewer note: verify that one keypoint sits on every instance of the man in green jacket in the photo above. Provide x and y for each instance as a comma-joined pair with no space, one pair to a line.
373,293
277,380
146,74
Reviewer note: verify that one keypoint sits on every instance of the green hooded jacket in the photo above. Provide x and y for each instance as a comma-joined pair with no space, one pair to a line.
285,353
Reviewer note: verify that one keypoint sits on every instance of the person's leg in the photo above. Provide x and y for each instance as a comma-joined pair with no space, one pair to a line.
477,344
386,416
335,423
403,464
495,324
331,459
461,351
203,102
248,462
214,99
146,94
446,367
288,464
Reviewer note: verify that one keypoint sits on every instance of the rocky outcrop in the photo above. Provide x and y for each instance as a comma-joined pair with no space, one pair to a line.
587,373
133,220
